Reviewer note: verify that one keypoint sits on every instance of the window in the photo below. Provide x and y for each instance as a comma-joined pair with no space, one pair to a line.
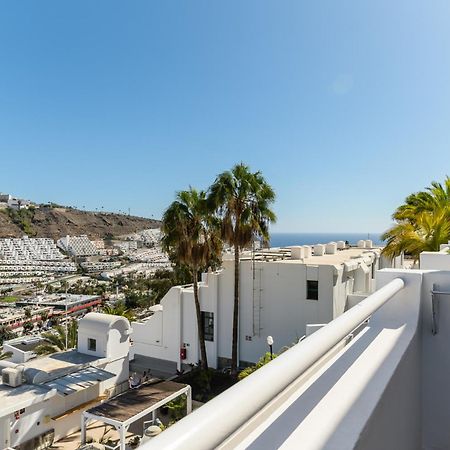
92,345
312,290
208,325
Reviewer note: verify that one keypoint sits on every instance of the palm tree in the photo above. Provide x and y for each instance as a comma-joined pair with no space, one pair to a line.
119,309
190,236
435,198
6,334
56,342
27,312
5,355
422,222
426,234
243,201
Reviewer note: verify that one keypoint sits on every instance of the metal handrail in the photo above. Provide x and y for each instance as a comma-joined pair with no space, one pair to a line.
211,424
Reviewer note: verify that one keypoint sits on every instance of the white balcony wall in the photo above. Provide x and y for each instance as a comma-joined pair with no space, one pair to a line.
435,261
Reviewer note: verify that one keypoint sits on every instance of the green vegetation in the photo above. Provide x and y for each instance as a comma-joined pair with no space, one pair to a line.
191,237
236,210
142,292
23,218
242,201
6,334
8,299
206,384
177,408
262,362
27,326
119,309
55,340
422,222
5,355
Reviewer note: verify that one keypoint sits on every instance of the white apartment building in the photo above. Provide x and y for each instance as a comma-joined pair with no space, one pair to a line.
99,266
28,260
10,201
78,246
377,377
42,400
281,292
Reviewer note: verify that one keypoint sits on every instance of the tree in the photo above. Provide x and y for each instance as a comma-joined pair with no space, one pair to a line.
5,355
6,334
242,200
190,236
435,199
27,312
119,309
44,315
422,222
426,234
27,326
55,340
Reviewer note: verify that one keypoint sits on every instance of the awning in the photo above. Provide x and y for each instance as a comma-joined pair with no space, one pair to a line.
79,380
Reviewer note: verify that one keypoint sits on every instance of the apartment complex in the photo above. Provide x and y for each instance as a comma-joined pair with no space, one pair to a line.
282,291
27,260
78,246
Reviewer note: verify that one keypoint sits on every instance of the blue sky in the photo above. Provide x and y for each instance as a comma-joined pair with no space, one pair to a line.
344,106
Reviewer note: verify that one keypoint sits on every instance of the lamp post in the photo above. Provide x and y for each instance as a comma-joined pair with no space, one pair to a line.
270,343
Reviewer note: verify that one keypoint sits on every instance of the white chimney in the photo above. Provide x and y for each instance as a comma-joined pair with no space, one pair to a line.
319,249
297,252
307,251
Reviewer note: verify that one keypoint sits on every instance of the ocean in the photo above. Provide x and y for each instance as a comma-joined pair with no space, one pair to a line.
285,239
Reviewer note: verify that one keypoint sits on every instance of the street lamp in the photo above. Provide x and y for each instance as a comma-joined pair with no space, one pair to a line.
270,343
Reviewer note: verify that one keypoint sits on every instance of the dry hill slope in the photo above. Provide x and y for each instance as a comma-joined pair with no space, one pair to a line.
56,222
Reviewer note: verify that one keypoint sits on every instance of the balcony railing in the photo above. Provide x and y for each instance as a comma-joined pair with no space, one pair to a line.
211,424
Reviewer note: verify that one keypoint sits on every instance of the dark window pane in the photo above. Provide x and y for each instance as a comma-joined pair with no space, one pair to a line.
208,325
312,290
92,345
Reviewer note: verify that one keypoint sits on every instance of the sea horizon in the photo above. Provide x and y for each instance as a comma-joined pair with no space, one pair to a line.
286,239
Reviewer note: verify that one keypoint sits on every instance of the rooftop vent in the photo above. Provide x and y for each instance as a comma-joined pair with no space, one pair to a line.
319,250
12,376
307,251
297,252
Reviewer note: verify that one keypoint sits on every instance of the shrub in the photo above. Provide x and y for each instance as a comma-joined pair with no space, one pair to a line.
262,361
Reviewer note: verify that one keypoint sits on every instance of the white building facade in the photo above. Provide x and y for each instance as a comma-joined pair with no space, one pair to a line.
280,294
376,377
42,399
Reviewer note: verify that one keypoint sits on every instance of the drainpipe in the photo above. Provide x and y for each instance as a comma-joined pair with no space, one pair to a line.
180,326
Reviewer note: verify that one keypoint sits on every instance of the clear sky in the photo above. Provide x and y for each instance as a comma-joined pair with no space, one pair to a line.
343,105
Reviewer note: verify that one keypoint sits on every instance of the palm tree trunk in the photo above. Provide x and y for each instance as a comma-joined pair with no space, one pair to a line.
234,351
201,334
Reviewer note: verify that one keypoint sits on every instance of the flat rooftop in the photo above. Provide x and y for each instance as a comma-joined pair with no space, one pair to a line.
282,255
13,399
62,299
26,345
61,363
127,405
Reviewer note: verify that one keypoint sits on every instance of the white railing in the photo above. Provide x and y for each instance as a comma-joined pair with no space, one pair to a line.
211,424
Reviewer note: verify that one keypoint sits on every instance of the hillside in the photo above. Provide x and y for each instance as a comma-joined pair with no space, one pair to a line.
56,222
